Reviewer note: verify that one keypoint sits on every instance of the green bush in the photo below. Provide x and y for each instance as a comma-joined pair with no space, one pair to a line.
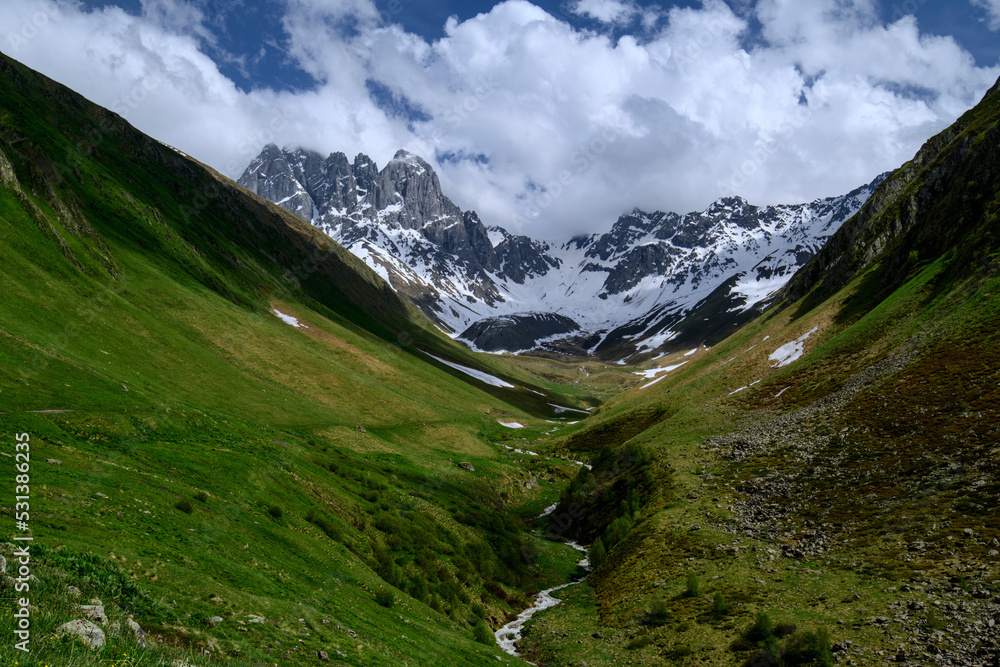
658,614
720,607
640,642
184,505
385,597
274,511
808,648
201,497
482,634
693,589
761,629
597,554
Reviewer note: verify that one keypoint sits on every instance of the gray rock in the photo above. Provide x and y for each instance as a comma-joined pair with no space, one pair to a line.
214,621
55,462
85,631
94,612
252,618
468,466
323,656
73,591
137,631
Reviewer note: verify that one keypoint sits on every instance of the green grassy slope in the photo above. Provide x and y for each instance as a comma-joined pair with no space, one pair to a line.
193,456
852,493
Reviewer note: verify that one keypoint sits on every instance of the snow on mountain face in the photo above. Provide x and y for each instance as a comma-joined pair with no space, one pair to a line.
633,289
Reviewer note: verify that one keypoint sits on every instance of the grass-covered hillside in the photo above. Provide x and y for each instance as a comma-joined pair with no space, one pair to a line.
247,488
823,485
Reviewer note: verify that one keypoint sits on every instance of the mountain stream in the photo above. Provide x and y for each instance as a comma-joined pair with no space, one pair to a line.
510,634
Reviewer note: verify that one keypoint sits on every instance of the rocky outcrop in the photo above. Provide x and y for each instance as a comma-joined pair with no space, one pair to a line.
923,209
516,332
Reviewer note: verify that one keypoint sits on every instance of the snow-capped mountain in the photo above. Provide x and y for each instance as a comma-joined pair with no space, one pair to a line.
655,281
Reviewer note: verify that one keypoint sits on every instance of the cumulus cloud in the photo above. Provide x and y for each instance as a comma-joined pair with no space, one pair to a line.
541,127
992,8
606,11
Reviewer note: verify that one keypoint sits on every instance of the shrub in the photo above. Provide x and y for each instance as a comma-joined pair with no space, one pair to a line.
693,589
761,629
274,511
331,529
597,554
385,597
640,642
658,614
201,497
808,648
184,505
679,651
481,633
719,606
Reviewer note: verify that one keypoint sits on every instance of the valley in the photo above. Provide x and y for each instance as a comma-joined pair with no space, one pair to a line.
246,444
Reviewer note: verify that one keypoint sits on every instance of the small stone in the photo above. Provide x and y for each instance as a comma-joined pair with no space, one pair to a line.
214,621
137,631
252,618
55,462
468,466
323,656
85,631
73,591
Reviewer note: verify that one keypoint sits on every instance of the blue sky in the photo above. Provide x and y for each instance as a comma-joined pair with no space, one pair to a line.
549,118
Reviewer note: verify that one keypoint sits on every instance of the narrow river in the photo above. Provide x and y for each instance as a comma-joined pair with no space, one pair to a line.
510,634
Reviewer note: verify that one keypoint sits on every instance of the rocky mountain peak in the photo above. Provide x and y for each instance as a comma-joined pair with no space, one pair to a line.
612,291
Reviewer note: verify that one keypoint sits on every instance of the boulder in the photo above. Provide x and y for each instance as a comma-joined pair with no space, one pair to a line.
468,466
94,612
85,631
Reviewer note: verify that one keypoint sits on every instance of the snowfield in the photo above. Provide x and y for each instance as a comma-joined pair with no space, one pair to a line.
791,352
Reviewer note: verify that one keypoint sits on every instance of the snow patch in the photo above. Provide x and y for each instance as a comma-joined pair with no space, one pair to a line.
559,409
791,352
688,354
653,372
511,424
288,319
479,375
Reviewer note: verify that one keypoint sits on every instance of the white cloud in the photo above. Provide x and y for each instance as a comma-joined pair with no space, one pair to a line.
576,128
606,11
992,8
